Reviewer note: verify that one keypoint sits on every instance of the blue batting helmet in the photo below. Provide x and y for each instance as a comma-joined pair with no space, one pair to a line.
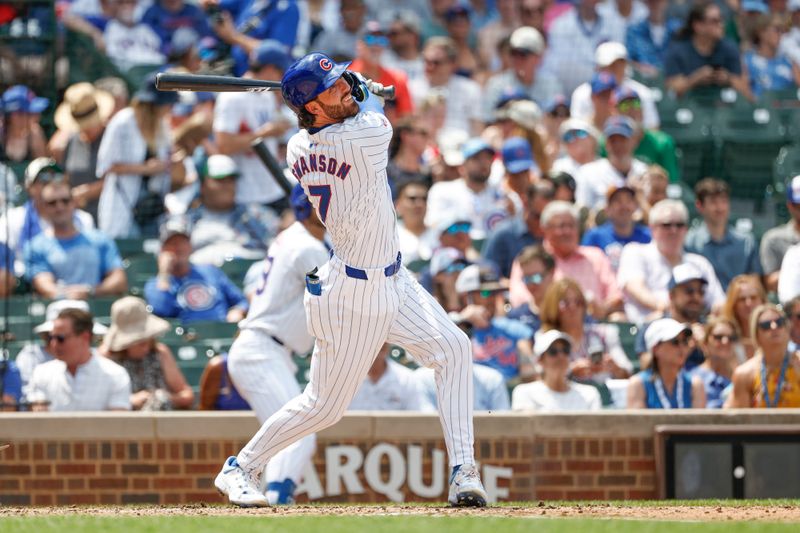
309,76
299,202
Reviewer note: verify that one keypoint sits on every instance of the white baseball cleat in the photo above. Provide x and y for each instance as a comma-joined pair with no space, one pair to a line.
466,489
239,486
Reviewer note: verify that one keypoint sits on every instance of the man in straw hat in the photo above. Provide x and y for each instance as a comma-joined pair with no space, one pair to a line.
79,378
81,119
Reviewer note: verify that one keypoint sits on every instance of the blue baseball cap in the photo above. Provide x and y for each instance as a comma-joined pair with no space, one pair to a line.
309,76
623,93
618,125
21,99
475,146
603,81
455,11
517,155
793,190
270,52
183,40
755,6
510,94
148,93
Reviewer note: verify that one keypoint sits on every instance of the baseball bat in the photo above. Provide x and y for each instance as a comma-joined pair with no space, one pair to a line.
170,81
269,161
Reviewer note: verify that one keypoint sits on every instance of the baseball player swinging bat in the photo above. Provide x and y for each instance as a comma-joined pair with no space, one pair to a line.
170,81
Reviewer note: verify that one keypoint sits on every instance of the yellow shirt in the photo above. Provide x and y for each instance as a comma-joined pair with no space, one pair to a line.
790,391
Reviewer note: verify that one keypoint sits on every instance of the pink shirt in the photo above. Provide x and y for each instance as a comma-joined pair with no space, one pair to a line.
588,266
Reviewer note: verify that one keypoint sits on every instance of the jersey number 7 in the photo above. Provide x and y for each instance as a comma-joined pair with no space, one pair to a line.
323,192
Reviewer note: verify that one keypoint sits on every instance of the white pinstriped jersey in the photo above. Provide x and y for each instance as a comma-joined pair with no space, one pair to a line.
277,306
342,168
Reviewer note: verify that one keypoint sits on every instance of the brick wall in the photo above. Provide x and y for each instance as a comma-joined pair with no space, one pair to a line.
172,458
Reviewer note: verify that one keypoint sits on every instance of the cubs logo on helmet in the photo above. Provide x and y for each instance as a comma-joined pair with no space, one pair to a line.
309,76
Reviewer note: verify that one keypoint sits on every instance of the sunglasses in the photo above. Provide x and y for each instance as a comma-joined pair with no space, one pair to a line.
520,52
673,225
459,228
775,323
49,176
560,112
455,267
555,351
632,104
724,338
683,340
570,302
691,291
488,294
55,201
574,134
434,62
533,279
58,338
418,131
376,40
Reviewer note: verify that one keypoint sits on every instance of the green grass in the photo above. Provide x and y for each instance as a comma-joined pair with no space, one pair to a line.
372,524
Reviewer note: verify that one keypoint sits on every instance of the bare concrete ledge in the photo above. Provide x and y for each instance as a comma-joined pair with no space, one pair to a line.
367,425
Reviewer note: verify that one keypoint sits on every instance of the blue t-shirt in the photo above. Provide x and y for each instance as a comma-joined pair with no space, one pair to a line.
641,46
496,346
603,237
683,58
6,258
165,22
505,242
524,314
768,74
12,380
264,19
652,400
205,293
84,259
714,384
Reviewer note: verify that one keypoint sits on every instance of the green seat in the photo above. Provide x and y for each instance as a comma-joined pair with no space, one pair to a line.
605,394
18,328
691,127
136,75
14,347
787,164
101,305
137,246
236,269
303,363
24,305
205,330
418,265
192,358
752,138
627,338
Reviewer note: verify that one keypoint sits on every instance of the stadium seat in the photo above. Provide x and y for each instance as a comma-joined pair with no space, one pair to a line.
235,269
303,363
192,358
136,246
751,140
690,126
418,265
627,337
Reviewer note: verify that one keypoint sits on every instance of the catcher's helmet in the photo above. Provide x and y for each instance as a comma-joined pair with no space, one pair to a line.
309,76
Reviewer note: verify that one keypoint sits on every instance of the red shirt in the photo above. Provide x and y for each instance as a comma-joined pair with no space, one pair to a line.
403,102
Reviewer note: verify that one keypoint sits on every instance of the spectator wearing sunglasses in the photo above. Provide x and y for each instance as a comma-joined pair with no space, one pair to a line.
79,378
722,350
554,392
497,341
665,384
23,223
524,74
417,241
537,268
611,58
648,40
730,251
651,146
645,269
556,112
771,378
580,140
71,262
687,304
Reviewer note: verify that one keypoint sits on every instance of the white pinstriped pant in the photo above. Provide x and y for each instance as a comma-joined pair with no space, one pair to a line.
351,320
259,368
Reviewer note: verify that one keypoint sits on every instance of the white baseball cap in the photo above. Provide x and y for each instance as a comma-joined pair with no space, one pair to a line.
479,278
56,307
543,340
609,52
221,166
662,330
528,39
686,272
576,124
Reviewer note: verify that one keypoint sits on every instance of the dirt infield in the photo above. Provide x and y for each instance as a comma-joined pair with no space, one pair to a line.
655,511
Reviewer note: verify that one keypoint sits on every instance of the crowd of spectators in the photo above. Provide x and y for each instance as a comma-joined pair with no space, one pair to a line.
534,190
